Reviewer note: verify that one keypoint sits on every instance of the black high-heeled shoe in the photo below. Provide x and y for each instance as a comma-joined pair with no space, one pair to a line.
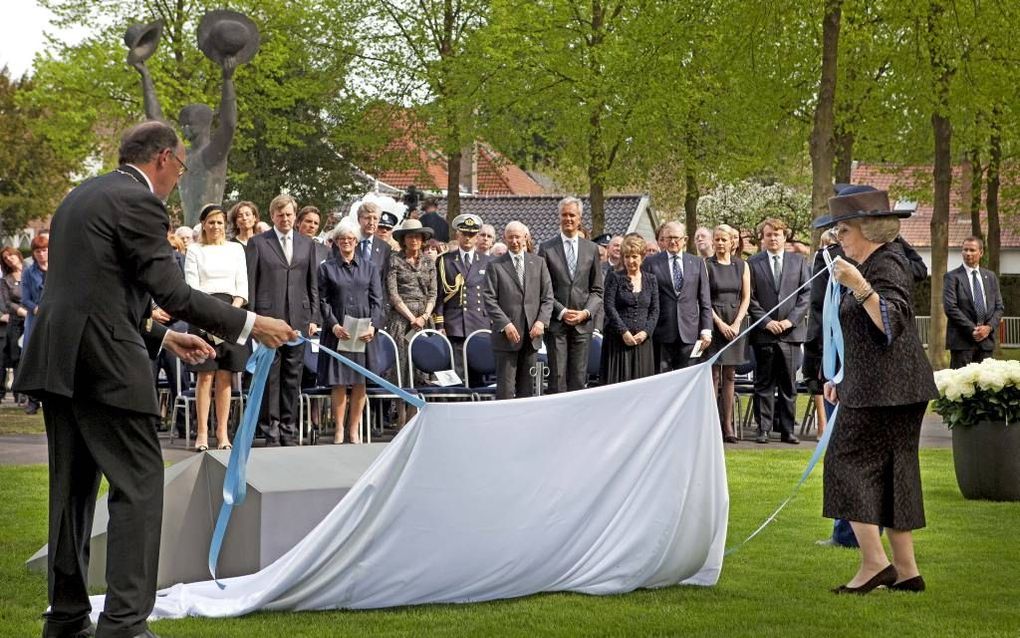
915,584
885,577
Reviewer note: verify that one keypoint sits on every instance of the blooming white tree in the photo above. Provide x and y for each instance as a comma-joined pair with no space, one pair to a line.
746,203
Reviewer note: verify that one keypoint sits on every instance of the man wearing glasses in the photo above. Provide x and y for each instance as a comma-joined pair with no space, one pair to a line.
90,364
685,305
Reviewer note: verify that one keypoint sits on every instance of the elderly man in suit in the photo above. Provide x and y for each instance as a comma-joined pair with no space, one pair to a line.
576,273
90,363
685,305
519,301
282,277
775,274
973,304
460,278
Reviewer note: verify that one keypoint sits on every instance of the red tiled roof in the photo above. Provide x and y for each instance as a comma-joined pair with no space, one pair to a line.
426,169
901,180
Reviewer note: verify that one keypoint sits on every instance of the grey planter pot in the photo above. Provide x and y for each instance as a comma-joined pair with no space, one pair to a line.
987,461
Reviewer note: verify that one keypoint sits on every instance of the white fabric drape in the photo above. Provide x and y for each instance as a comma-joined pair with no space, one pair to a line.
602,491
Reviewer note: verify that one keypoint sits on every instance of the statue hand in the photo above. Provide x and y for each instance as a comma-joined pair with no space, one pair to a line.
229,66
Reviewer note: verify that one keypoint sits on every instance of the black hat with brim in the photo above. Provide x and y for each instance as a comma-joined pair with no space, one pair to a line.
858,201
222,33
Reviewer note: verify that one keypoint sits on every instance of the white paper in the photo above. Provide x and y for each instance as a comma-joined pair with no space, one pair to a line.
560,498
355,328
446,378
696,352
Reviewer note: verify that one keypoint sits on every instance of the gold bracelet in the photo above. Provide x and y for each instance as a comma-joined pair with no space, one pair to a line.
861,297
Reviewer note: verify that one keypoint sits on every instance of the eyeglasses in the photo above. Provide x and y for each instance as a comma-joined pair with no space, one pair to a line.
184,167
674,238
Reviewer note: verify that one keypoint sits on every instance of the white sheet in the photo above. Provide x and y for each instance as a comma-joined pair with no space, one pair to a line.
602,492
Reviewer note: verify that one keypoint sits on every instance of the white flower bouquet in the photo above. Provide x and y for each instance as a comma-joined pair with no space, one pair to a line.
986,391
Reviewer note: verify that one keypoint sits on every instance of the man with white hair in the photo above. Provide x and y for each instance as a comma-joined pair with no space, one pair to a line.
519,301
576,272
685,305
703,242
186,234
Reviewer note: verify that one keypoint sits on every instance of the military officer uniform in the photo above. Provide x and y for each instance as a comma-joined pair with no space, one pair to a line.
460,275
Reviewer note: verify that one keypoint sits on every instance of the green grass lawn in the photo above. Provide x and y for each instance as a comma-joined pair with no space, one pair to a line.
777,585
13,420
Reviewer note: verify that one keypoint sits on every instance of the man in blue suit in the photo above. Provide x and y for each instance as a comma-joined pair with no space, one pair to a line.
685,305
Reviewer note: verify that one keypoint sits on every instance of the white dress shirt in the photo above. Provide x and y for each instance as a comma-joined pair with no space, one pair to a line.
250,321
981,282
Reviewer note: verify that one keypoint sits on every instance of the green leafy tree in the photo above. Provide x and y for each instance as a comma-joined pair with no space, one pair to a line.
295,111
33,175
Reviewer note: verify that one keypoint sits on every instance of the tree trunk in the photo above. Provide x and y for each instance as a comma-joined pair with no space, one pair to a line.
942,133
597,201
844,161
691,197
993,246
596,172
976,173
822,145
453,185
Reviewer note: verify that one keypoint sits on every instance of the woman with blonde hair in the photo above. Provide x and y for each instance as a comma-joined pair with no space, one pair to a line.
218,268
631,303
729,283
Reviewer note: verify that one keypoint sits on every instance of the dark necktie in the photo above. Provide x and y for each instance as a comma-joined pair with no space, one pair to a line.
777,271
678,275
571,258
467,261
979,295
366,249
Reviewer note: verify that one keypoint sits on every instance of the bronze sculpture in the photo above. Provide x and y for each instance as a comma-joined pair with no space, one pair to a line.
229,39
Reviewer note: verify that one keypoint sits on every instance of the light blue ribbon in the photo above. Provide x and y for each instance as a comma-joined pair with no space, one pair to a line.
832,369
235,483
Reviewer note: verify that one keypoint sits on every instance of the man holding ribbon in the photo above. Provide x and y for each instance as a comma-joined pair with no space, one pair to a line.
973,305
90,363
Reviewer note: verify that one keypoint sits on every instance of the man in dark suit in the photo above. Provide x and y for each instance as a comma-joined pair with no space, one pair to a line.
90,363
430,217
282,277
973,304
775,274
576,273
685,305
519,300
460,277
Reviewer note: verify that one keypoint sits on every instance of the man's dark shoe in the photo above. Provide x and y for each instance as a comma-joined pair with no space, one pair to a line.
147,634
789,438
761,438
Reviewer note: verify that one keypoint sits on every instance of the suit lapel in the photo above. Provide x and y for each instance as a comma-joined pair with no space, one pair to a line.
666,274
274,241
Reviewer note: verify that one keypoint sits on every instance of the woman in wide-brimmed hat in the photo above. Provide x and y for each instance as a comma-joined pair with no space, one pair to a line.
411,286
872,474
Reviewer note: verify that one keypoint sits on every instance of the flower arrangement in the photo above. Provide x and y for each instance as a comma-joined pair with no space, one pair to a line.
986,391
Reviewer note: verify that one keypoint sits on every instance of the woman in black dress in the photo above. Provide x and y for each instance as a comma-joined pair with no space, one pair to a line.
348,287
872,474
729,282
632,310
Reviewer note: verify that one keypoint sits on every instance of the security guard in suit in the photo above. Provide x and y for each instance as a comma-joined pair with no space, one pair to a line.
460,274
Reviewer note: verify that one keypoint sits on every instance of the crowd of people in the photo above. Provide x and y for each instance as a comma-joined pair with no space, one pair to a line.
656,306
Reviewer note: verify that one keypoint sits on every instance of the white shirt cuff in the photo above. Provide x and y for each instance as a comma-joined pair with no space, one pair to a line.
706,333
562,312
246,331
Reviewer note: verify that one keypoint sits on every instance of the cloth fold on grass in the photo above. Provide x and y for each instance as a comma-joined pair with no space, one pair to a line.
601,491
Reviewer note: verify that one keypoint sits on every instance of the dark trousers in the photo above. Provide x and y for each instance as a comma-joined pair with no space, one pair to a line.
513,372
775,386
673,356
568,359
278,415
960,358
86,438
